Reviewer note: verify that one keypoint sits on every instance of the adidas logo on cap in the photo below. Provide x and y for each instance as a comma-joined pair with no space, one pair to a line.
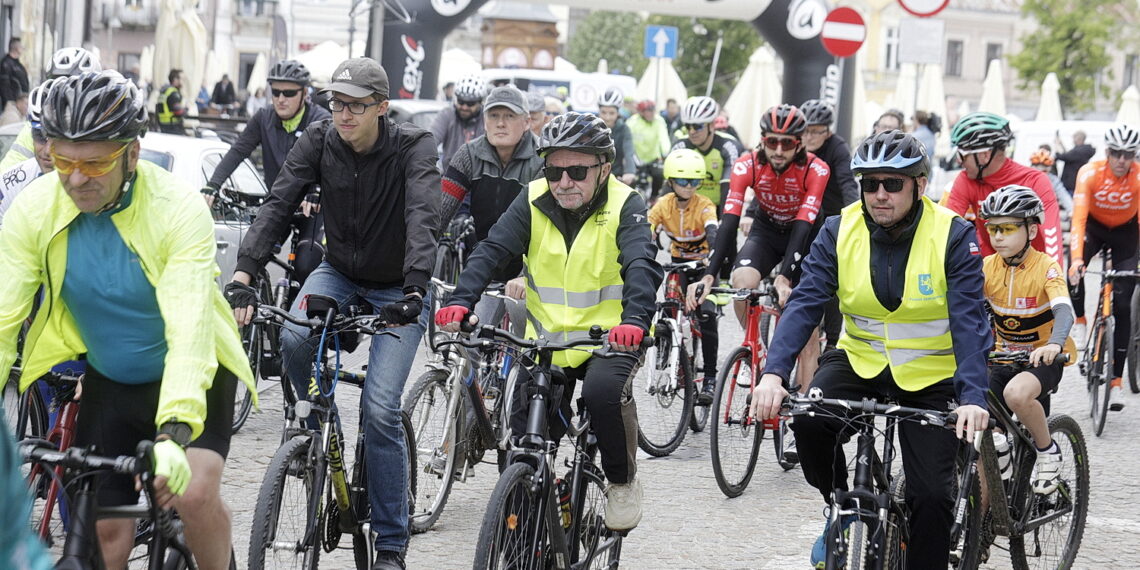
344,76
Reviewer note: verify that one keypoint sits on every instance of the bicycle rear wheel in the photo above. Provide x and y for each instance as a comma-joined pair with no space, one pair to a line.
288,504
427,405
1133,368
514,532
663,390
253,340
1060,515
700,416
1099,373
735,438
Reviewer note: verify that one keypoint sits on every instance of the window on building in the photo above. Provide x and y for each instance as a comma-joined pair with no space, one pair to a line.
993,51
891,49
1131,70
954,49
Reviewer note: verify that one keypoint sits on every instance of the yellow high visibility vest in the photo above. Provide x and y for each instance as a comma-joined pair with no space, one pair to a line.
164,115
914,339
570,291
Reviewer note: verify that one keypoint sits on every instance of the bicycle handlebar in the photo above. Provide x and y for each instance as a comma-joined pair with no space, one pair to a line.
1021,356
367,324
40,451
804,405
486,335
764,290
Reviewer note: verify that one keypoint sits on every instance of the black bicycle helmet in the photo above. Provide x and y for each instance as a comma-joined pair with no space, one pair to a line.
818,112
1012,201
783,120
101,106
891,152
981,130
579,132
290,70
71,61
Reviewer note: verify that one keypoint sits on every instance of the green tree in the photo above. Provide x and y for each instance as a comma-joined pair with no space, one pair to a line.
1073,40
613,36
695,52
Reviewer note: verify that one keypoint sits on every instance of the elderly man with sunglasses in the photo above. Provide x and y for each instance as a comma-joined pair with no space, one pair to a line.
908,275
589,260
380,197
124,254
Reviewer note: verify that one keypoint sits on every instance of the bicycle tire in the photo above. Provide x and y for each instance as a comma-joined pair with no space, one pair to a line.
1100,373
1132,367
596,546
897,534
427,405
362,552
52,531
700,416
298,461
663,390
730,434
780,441
859,547
515,504
14,405
972,543
253,340
1074,491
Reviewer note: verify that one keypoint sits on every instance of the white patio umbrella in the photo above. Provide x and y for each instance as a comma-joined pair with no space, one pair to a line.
1129,112
932,98
32,36
321,61
180,43
904,94
214,72
259,75
993,90
963,108
863,112
146,65
660,82
1049,109
757,89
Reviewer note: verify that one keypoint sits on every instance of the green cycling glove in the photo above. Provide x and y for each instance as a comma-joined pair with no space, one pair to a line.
170,462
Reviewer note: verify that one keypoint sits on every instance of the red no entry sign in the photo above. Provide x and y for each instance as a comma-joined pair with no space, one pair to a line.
924,8
843,32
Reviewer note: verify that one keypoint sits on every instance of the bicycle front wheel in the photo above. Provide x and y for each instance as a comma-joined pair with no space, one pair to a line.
595,546
700,416
514,533
1133,369
288,506
735,437
253,340
1100,372
438,434
663,390
1059,517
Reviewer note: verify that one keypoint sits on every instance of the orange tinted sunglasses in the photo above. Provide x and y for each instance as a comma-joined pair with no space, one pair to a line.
90,168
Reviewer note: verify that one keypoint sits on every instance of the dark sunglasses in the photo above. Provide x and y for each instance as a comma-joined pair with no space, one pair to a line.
1125,154
287,93
684,182
694,127
577,173
773,143
892,185
467,103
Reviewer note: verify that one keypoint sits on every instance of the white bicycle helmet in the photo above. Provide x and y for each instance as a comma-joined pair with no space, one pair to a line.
699,110
470,88
73,61
1122,137
612,97
36,101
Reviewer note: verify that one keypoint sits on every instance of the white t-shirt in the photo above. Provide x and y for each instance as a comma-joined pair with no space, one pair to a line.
14,180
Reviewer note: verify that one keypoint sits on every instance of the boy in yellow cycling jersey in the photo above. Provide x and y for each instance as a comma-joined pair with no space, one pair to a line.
1032,311
689,220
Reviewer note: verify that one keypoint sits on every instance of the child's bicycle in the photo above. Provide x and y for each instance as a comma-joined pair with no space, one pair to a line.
735,435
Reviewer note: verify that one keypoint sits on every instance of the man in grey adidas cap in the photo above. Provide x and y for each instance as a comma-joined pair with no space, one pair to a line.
379,192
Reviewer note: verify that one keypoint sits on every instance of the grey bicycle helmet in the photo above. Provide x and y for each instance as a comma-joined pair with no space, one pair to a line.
891,152
101,106
699,110
471,88
579,132
818,112
981,130
1122,137
290,70
612,97
73,61
36,101
783,120
1012,201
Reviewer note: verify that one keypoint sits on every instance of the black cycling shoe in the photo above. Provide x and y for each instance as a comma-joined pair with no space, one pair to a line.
705,396
389,560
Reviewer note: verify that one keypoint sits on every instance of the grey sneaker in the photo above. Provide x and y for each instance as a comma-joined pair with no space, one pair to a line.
623,505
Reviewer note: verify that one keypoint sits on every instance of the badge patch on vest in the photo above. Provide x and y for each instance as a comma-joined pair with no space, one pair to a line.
924,284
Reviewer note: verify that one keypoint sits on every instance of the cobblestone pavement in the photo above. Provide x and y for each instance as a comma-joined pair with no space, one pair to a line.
688,523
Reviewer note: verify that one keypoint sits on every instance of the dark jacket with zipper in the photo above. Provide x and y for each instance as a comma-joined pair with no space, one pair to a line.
381,207
265,129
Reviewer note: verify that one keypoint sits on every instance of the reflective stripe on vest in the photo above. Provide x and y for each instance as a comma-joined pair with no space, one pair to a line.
914,340
570,291
164,115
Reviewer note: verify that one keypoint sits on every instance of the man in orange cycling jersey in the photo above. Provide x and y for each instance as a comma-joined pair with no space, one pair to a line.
689,219
981,139
1105,208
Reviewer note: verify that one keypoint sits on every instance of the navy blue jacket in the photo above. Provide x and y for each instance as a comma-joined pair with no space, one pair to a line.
969,325
265,129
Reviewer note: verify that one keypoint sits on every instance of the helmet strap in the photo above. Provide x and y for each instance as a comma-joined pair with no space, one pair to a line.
128,179
982,168
1016,259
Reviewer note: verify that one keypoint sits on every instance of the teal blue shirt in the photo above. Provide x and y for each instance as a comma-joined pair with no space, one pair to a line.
114,305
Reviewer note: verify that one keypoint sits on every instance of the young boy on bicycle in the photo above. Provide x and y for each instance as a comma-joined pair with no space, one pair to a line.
689,220
1032,311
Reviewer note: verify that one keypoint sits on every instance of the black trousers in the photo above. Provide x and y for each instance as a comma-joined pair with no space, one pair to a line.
928,453
607,394
1122,240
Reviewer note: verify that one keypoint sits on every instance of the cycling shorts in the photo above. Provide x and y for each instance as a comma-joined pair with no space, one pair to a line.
116,429
1048,375
764,249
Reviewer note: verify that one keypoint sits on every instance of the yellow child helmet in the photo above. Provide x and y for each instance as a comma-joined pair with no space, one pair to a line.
684,163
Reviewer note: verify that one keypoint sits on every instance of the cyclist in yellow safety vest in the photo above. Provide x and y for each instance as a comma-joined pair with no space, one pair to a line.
898,262
169,110
589,260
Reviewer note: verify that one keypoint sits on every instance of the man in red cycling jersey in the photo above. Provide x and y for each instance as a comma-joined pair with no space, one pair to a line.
1105,206
981,139
789,183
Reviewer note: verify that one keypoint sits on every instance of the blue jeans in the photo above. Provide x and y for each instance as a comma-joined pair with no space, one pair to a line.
389,361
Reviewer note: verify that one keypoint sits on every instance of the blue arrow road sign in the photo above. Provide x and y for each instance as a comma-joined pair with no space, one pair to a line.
661,41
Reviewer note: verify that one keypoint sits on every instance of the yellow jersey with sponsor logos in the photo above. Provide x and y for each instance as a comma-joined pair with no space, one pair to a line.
1022,298
684,226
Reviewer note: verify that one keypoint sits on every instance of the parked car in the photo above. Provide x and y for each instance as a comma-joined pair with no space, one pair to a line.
420,112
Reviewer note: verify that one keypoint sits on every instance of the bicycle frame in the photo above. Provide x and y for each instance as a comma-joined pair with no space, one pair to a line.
755,343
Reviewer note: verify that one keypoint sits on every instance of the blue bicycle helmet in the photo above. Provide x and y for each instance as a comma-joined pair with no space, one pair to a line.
891,152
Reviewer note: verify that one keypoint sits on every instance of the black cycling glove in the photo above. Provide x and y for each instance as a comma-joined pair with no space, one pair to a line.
402,312
240,295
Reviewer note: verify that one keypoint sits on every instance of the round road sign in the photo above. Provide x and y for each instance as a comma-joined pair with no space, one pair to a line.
924,8
843,32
